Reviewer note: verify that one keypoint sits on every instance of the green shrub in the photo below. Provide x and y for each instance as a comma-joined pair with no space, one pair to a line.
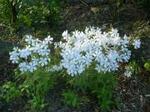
36,12
36,87
71,99
103,89
147,65
37,103
33,86
101,86
10,91
29,13
135,68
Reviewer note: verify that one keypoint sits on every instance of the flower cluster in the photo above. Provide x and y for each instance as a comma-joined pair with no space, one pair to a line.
35,54
106,49
79,50
137,44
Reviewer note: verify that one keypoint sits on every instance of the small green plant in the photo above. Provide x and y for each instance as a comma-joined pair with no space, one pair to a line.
80,83
103,85
37,103
39,12
100,85
71,99
90,67
37,86
147,65
10,91
33,86
135,68
23,14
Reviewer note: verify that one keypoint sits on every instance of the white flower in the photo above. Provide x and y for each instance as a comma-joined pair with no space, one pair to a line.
24,53
81,49
35,54
47,40
65,34
105,50
32,66
28,38
137,44
43,52
24,67
14,56
43,61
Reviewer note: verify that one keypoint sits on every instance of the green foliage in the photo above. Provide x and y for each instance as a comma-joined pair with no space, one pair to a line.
33,86
141,29
71,99
10,91
80,83
103,87
5,11
35,12
135,68
36,86
37,103
40,80
147,65
99,85
29,13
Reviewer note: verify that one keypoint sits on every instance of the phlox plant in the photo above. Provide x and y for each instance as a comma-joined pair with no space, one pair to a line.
78,51
36,53
33,87
105,49
71,99
91,56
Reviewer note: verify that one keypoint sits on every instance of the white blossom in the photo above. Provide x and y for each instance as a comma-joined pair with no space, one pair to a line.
137,44
35,54
14,55
43,61
78,50
106,49
23,67
65,34
24,53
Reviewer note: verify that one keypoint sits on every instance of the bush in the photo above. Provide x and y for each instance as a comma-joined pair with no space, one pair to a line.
34,87
36,12
99,85
71,99
10,91
29,13
89,59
